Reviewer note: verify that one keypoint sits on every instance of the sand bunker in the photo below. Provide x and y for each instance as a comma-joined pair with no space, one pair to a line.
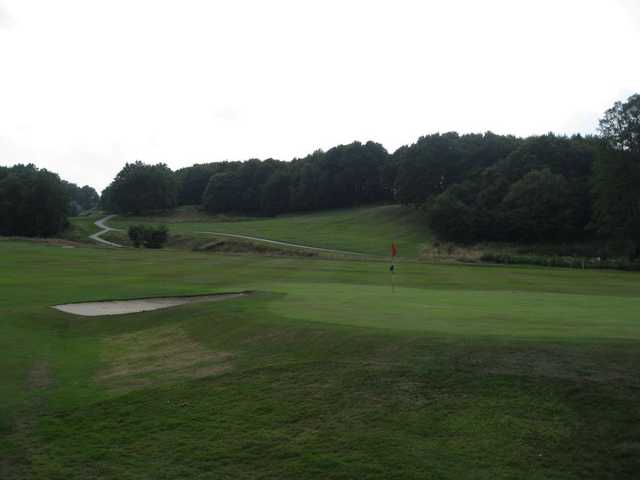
119,307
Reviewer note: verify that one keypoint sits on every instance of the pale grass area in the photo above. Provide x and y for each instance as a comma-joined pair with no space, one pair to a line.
39,376
157,356
447,251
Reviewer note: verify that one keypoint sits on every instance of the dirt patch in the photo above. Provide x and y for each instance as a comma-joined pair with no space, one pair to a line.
39,376
157,356
564,363
121,307
46,241
240,246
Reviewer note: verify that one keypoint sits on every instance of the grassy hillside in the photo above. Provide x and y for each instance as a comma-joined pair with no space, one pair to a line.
367,230
81,227
463,372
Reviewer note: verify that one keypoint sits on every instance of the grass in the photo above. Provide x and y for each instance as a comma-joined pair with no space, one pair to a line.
81,227
464,372
368,230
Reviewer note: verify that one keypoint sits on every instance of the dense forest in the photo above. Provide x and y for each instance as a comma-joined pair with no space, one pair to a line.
35,202
344,176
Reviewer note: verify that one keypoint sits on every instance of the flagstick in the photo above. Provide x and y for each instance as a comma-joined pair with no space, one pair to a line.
393,289
393,267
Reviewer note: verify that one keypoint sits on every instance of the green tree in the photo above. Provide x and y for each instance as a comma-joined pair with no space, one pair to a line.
451,217
617,200
620,125
539,208
276,193
140,188
81,198
193,180
616,178
148,236
221,194
33,202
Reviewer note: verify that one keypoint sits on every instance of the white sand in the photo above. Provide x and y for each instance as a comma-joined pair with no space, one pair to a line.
119,307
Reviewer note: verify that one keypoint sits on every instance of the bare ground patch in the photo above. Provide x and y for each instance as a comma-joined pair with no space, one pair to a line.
39,376
45,241
594,365
226,245
157,356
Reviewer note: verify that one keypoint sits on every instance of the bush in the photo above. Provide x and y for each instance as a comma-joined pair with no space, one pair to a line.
564,262
148,236
156,237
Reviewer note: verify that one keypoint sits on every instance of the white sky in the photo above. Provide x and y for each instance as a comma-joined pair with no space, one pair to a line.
88,85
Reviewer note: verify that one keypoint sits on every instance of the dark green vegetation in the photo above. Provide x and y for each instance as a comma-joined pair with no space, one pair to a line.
566,261
35,202
540,192
547,189
463,372
344,176
141,188
81,199
149,236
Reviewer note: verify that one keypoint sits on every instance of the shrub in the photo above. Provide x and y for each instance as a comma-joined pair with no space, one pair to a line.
136,235
156,237
565,262
148,236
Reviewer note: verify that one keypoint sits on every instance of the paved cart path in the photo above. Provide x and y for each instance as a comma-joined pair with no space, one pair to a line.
97,237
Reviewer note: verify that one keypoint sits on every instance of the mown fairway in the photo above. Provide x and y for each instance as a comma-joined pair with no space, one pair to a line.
351,229
463,372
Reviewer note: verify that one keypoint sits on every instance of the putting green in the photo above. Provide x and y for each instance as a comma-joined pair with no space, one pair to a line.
464,312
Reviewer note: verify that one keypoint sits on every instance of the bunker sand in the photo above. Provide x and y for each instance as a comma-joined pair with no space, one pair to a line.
121,307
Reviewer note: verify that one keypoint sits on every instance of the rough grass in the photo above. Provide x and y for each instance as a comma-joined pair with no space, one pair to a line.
325,374
81,227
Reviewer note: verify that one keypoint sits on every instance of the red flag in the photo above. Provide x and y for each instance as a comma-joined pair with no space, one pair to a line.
394,250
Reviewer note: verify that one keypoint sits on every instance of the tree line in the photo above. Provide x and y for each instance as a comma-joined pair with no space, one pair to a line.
544,189
472,187
344,176
36,203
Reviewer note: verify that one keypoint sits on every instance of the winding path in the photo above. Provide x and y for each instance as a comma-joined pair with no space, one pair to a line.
285,244
97,237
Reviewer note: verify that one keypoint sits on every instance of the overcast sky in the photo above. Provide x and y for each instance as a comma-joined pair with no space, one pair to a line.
86,86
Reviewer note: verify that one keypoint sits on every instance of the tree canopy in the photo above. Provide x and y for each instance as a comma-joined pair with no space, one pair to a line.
620,125
81,198
140,188
344,176
33,202
617,176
